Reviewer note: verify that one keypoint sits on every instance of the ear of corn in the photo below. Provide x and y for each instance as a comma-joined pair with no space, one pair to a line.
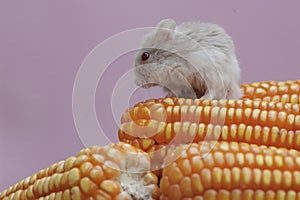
176,121
106,172
231,170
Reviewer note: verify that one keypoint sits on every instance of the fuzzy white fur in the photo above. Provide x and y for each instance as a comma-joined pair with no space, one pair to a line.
191,60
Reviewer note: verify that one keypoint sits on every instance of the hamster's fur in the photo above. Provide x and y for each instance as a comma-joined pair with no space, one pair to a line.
192,60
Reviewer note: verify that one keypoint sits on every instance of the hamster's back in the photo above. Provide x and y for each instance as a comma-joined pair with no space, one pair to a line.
206,34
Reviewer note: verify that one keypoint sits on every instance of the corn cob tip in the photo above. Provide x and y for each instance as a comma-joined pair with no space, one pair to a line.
116,171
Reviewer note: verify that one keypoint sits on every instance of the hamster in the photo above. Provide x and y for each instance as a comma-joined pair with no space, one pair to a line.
191,60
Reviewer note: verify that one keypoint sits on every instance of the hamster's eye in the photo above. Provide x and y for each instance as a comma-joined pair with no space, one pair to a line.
145,56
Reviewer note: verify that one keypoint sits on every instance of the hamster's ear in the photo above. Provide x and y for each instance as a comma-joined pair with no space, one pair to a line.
165,29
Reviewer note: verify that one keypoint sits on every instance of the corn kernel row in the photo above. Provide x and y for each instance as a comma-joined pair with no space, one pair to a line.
144,109
161,133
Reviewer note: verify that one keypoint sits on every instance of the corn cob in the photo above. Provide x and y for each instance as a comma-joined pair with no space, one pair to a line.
231,170
285,92
115,171
248,121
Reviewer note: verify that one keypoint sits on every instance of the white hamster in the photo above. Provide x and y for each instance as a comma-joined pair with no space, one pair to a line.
191,60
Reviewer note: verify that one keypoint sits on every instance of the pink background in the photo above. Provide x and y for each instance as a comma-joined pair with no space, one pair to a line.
43,43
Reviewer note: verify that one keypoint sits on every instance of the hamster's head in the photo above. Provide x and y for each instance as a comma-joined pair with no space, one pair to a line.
150,64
